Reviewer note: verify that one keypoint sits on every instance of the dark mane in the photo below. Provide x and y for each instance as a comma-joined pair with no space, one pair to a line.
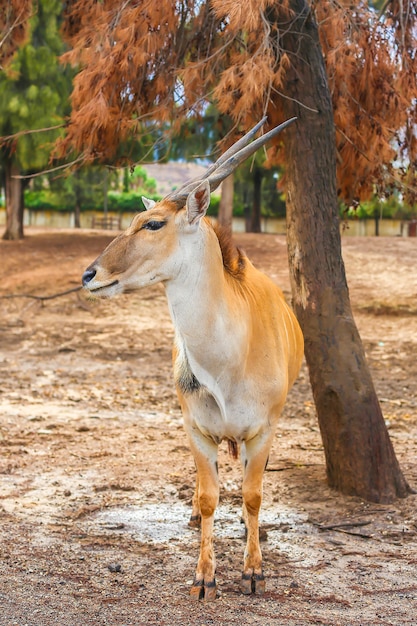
233,257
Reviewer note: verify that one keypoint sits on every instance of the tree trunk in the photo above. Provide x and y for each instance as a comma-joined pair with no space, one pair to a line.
255,226
360,459
126,180
376,218
105,192
77,193
14,201
77,216
226,203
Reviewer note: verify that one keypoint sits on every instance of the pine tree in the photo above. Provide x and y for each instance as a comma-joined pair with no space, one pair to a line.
34,90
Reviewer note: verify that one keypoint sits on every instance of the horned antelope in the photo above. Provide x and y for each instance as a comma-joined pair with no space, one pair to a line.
238,346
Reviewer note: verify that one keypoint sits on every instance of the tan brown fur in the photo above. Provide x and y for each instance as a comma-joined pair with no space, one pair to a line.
233,257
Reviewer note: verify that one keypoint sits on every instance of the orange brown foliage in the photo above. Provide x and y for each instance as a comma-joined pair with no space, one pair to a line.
142,61
372,68
14,25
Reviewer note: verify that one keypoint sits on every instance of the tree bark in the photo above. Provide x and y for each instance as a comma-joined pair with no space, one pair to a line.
226,203
360,459
14,201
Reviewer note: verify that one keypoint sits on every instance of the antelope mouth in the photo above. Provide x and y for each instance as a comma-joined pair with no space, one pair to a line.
103,287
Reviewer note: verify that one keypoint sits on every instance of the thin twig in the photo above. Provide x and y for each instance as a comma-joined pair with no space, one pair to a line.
352,143
343,525
351,532
285,468
53,169
29,132
41,298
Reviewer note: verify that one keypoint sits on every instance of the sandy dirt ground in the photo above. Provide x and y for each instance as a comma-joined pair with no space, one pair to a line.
96,477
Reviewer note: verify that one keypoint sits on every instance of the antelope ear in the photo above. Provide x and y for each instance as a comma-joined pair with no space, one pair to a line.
198,202
147,203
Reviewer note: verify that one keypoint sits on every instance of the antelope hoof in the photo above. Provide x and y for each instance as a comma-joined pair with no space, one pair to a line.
202,590
252,583
195,521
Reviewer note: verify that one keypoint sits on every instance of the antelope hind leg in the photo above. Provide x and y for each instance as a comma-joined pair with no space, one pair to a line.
195,519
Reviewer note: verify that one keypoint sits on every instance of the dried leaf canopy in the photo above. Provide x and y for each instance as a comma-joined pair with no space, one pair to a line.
144,60
129,55
372,67
14,26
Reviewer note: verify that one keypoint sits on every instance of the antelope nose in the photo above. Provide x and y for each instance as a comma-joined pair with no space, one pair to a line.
88,275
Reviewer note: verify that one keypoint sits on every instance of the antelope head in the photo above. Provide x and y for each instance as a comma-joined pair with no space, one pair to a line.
155,245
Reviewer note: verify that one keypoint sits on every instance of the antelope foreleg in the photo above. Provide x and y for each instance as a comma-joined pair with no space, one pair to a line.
207,497
256,453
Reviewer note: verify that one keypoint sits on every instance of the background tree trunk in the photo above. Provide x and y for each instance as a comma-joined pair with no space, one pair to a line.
226,203
77,216
376,219
14,201
105,192
255,226
77,193
360,459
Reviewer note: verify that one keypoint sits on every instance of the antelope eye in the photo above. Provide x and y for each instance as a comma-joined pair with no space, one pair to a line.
153,225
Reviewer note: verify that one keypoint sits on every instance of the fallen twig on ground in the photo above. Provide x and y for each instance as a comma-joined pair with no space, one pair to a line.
342,527
41,298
